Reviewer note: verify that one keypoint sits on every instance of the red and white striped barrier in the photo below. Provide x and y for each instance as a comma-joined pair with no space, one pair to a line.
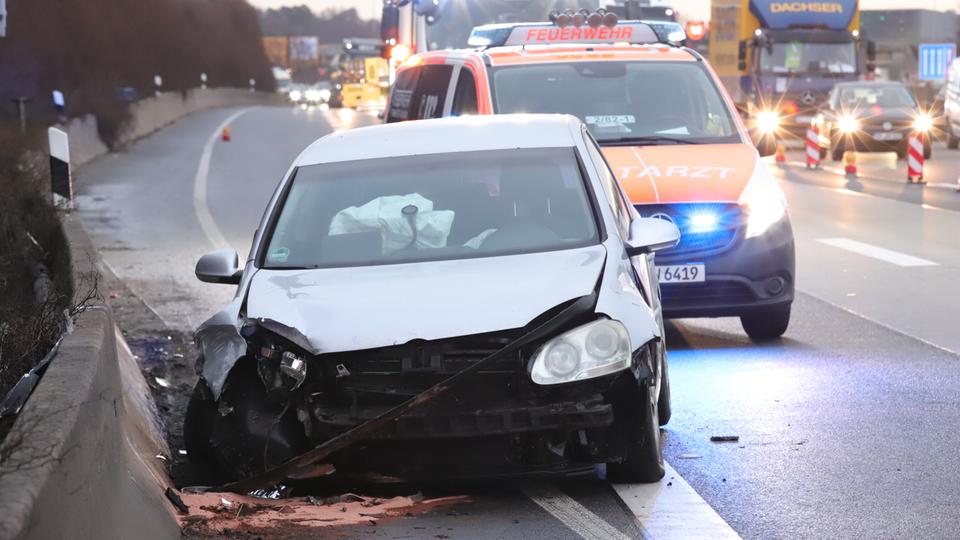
813,147
915,158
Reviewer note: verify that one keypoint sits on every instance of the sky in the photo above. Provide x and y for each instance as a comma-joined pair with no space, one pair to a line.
694,9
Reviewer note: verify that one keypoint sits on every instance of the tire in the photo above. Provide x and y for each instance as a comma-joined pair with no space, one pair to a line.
664,408
766,324
836,151
927,149
198,424
953,142
637,426
250,433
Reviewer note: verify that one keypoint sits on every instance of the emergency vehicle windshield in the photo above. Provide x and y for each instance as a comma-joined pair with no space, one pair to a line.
630,102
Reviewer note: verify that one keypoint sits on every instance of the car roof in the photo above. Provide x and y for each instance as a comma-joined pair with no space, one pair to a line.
444,135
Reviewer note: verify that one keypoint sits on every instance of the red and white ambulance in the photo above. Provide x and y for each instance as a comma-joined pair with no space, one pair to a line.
669,132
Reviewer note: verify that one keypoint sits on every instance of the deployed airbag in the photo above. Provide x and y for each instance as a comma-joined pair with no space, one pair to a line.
403,221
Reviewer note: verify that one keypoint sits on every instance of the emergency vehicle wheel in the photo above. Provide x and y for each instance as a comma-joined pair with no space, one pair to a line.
766,324
636,422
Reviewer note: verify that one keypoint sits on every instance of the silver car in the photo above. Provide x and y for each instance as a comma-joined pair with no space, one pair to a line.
461,297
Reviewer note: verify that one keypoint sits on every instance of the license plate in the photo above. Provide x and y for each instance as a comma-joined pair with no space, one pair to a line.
682,273
803,120
888,136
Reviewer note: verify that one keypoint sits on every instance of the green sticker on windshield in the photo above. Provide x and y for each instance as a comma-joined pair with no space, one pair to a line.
794,56
279,255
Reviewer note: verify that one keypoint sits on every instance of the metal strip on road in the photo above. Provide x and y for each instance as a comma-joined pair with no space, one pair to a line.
671,509
879,253
574,515
210,228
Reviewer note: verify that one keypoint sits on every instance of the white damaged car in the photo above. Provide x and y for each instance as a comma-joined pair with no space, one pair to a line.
462,297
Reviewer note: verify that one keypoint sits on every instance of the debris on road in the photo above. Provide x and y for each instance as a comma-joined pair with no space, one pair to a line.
218,514
725,438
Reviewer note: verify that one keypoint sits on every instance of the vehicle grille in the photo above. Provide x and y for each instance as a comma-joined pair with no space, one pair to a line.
675,295
719,237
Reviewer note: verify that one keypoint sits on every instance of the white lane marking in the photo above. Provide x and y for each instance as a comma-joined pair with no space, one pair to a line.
876,252
574,515
674,511
210,228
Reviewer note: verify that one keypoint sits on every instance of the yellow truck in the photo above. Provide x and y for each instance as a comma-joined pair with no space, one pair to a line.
360,76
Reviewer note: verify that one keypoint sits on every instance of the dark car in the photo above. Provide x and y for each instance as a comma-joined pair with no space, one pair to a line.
871,117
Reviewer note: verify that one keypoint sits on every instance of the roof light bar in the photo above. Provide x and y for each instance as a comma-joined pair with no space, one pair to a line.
635,32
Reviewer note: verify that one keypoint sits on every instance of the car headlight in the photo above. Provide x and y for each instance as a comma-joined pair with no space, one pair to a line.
325,94
923,123
765,205
312,96
848,124
295,95
768,121
592,350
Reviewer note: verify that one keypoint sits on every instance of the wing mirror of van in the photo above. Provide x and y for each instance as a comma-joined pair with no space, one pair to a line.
648,235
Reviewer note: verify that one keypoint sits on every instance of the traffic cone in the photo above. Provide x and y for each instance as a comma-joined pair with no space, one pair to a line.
226,134
781,155
850,164
813,147
915,159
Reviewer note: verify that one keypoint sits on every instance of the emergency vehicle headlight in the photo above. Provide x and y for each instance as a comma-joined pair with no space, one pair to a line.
764,203
848,124
592,350
923,122
768,121
703,222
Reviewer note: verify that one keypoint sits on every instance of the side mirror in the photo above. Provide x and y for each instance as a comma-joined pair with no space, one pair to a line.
220,267
651,234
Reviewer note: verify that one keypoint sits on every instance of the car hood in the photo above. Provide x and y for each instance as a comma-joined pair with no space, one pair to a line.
683,173
347,309
875,116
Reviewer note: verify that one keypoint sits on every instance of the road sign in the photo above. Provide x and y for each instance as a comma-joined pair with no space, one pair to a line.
934,60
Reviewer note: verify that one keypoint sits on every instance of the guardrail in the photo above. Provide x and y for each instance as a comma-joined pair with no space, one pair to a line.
78,462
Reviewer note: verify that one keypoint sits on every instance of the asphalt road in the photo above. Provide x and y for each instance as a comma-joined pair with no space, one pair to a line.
846,425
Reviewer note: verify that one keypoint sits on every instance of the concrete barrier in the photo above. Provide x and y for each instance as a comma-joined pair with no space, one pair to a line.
153,113
79,460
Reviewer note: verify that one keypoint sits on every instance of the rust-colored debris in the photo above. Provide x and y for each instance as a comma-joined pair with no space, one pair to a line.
221,513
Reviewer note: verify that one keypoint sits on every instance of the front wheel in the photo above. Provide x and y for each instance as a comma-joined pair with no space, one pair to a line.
836,151
766,324
637,425
953,142
927,149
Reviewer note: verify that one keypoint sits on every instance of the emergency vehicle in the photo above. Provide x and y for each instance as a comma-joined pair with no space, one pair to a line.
669,132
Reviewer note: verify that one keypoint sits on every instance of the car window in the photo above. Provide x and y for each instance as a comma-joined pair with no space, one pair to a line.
431,93
433,207
402,96
610,187
465,98
621,100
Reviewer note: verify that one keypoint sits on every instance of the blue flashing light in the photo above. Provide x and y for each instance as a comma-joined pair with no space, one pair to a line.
703,222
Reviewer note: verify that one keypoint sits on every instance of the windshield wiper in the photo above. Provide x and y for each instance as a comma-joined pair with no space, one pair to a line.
649,139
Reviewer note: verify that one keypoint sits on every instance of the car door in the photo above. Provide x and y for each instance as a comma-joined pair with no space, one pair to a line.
420,93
